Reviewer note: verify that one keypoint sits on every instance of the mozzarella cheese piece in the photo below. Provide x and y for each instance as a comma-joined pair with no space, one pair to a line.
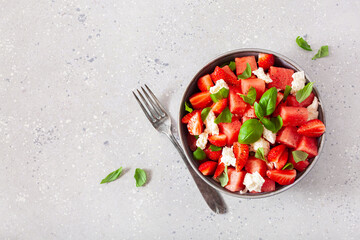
202,140
211,127
298,82
218,85
260,143
228,156
253,182
261,74
313,109
269,135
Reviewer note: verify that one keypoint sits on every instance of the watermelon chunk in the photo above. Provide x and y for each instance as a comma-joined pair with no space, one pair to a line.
288,136
231,74
257,83
291,101
268,186
293,116
308,145
236,104
254,164
236,180
241,64
231,130
279,98
281,77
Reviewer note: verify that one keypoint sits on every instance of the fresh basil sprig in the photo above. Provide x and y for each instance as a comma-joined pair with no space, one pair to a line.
323,52
288,166
250,97
250,131
305,92
224,117
273,124
232,66
303,44
221,94
286,92
215,148
299,156
224,178
260,154
247,73
188,108
140,177
204,113
199,154
267,103
112,176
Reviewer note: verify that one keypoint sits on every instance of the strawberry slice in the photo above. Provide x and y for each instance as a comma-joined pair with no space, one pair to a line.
218,140
191,142
220,73
219,170
268,186
266,60
204,83
282,177
195,124
300,166
188,116
313,128
212,155
200,100
208,168
278,156
219,106
241,152
256,165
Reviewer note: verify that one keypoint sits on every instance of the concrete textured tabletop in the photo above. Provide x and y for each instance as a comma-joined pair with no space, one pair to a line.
68,118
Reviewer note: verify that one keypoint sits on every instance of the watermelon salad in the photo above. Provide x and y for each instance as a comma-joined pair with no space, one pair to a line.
253,126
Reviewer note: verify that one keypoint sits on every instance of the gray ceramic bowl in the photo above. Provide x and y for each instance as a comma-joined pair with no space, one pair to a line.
280,61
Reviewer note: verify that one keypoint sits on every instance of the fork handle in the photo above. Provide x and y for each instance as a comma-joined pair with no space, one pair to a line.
211,196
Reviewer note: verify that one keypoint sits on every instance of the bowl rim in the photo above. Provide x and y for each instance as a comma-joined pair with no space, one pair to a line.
184,141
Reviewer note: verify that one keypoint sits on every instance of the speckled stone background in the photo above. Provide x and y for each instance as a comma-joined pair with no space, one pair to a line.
68,118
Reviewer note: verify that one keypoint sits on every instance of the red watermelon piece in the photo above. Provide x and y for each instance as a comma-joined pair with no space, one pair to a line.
291,101
256,83
236,104
288,136
293,116
236,180
231,130
241,64
281,77
231,74
308,145
268,186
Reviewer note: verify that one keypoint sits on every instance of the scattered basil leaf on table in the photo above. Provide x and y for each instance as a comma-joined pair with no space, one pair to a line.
221,94
260,154
323,52
232,66
199,154
305,92
299,156
224,117
224,178
215,148
288,166
303,44
112,176
268,101
188,108
250,97
250,131
286,92
247,73
205,112
140,177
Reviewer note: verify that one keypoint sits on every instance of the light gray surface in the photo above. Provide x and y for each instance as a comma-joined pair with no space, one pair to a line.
67,118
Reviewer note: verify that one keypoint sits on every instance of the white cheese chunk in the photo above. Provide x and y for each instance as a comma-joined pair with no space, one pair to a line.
261,74
269,135
253,182
228,157
202,140
218,85
260,143
211,127
298,82
313,109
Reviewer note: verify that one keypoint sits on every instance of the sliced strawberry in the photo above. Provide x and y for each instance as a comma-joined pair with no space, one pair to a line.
241,152
195,125
256,165
218,140
191,142
300,166
231,77
208,168
219,170
204,83
200,100
266,60
236,180
268,186
212,155
220,73
219,106
278,156
188,116
282,177
313,128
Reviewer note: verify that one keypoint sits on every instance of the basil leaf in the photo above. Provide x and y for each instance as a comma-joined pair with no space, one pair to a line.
286,92
224,178
224,117
268,101
323,52
299,156
268,124
196,136
112,176
232,66
199,154
215,148
304,93
288,166
222,93
204,113
259,112
247,73
250,131
250,97
188,108
260,154
140,177
303,44
274,124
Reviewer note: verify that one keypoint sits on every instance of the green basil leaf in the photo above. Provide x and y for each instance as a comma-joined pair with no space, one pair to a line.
221,94
247,73
250,97
304,93
140,177
260,154
188,108
303,44
250,131
196,136
112,176
259,112
323,52
224,117
232,66
286,92
199,154
288,166
205,112
224,178
278,123
299,156
268,124
215,148
268,101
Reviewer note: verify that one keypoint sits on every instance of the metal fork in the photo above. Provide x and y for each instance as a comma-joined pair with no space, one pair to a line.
161,121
